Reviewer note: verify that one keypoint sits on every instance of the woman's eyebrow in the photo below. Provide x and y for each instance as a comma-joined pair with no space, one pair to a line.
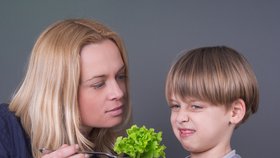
103,76
94,77
122,68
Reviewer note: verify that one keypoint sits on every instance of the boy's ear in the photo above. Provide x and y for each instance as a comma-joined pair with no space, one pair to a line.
238,110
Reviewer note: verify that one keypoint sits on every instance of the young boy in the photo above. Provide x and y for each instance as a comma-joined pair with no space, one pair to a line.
211,91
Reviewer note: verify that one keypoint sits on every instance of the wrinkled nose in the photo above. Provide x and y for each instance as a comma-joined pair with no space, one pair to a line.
182,117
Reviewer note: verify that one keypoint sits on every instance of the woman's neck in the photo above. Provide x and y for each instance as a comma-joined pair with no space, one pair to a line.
86,130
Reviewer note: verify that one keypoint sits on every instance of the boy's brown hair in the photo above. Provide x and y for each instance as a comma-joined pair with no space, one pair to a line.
219,75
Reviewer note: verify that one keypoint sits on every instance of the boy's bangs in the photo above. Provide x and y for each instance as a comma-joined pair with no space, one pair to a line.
196,79
192,85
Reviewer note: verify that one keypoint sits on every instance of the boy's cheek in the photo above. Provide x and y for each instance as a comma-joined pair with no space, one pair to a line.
172,118
173,121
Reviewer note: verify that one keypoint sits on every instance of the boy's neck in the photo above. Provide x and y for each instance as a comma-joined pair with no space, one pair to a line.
217,152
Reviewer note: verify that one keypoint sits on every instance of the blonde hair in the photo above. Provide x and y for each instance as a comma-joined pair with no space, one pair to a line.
219,75
47,100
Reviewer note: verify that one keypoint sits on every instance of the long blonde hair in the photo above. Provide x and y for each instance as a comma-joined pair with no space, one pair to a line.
47,100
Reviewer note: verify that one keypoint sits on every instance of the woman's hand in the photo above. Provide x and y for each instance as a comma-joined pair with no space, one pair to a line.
65,151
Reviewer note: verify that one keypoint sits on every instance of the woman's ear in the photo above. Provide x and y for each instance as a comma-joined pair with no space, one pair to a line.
238,110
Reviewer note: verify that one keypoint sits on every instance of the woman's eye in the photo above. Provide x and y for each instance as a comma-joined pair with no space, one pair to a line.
98,85
121,77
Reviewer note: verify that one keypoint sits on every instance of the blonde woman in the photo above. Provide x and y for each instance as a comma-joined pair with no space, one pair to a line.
74,96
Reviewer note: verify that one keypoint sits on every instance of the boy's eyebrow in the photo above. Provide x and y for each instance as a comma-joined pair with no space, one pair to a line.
171,100
188,99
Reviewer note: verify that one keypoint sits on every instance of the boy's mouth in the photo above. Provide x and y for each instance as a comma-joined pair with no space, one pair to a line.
186,132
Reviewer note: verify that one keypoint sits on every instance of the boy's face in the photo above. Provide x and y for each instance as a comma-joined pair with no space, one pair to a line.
200,126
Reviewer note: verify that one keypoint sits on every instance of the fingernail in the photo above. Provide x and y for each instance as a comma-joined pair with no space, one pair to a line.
77,146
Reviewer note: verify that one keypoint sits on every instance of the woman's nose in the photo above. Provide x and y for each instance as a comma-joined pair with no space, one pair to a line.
116,91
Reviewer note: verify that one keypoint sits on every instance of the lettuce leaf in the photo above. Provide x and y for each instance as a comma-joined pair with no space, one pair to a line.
140,143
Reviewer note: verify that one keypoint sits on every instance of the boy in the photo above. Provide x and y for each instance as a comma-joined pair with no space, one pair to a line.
211,91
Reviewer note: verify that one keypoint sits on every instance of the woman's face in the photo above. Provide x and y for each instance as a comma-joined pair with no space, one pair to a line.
102,90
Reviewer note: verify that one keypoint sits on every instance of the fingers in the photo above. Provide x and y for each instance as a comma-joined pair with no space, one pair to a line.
65,151
79,156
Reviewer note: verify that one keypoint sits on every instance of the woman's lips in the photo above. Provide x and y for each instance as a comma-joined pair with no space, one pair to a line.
115,111
186,132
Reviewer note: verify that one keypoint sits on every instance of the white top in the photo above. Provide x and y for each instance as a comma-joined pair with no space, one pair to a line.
231,154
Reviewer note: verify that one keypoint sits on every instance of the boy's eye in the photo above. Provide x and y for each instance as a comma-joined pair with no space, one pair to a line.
98,85
196,107
175,107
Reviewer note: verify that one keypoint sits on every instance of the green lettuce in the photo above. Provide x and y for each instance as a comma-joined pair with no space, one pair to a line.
140,143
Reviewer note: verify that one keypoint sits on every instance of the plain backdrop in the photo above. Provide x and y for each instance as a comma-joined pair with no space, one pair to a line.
154,33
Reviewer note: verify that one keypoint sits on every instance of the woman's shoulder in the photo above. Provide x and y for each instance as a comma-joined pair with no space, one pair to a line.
5,113
9,123
6,116
3,107
13,140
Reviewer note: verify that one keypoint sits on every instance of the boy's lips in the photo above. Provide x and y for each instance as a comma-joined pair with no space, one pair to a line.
186,132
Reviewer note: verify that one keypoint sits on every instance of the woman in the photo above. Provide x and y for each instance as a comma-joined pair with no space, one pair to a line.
74,95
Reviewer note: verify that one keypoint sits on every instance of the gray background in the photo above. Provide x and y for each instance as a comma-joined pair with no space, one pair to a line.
154,33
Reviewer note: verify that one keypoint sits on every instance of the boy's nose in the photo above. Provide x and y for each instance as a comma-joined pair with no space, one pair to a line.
183,117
